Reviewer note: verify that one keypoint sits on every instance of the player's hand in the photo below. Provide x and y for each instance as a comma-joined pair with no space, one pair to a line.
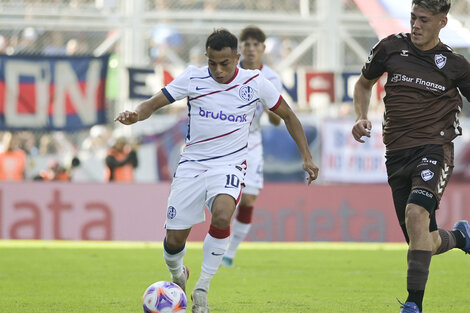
361,128
127,117
312,170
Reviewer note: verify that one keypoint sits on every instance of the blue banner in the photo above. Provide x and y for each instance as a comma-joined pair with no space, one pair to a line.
53,92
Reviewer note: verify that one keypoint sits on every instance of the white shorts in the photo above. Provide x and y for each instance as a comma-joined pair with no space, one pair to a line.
189,195
254,171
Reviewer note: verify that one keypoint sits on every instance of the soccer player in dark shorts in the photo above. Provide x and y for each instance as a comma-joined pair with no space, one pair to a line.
422,104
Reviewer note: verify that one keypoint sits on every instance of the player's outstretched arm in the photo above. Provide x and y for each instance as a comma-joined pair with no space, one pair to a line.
297,133
143,110
362,93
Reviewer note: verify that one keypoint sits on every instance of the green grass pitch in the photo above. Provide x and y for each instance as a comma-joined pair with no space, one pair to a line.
91,277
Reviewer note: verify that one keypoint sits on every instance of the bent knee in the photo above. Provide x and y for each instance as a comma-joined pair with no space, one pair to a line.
416,213
221,220
175,241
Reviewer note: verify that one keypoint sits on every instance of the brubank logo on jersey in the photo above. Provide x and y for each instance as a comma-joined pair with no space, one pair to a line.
417,80
222,116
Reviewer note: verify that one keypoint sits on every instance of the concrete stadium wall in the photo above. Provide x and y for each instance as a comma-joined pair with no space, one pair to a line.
136,212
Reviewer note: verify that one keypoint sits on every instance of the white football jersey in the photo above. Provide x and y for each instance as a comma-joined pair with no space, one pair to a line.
255,128
219,115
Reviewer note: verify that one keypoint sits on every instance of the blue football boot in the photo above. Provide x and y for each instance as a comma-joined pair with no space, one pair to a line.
465,230
409,307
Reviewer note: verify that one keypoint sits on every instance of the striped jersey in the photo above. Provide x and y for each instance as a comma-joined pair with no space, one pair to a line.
219,116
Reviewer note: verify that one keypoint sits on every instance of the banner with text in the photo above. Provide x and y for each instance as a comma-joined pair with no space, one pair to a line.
284,212
52,93
347,161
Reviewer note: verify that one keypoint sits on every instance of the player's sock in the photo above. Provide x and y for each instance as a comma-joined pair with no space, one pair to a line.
204,281
448,241
239,232
214,247
418,271
245,214
416,296
174,259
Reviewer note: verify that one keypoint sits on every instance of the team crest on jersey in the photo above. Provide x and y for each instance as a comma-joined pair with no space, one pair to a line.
427,175
246,93
171,213
440,60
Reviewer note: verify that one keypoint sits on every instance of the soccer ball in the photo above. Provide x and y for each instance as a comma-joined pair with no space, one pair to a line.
164,297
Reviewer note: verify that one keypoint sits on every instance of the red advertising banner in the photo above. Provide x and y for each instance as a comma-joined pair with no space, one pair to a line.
136,212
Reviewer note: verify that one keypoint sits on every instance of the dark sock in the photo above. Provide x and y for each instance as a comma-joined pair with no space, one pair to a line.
418,272
448,241
459,238
416,296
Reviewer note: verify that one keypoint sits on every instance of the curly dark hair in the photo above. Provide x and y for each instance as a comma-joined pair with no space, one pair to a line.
222,38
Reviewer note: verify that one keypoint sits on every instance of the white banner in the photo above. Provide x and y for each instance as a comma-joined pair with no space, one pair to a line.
344,160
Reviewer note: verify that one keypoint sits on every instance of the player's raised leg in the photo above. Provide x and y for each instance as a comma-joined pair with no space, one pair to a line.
214,247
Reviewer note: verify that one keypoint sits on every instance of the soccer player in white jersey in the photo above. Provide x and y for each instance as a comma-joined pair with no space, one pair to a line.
252,48
222,101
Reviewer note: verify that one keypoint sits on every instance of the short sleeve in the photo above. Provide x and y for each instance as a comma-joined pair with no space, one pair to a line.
277,83
178,88
375,65
464,80
268,94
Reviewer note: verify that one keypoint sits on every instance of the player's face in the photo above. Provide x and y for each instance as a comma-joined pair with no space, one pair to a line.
252,51
425,27
222,64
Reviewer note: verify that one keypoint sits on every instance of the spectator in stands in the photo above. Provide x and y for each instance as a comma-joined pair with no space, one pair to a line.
27,43
92,152
27,142
56,44
12,159
121,161
3,44
54,172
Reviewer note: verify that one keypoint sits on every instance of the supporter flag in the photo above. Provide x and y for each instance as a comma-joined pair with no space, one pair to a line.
52,93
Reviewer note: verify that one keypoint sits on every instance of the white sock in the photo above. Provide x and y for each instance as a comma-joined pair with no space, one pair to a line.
174,262
213,252
204,281
239,232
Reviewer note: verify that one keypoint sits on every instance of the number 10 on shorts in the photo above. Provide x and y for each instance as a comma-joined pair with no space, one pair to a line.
232,181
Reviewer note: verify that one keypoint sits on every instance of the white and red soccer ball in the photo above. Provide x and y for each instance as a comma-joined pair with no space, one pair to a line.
164,297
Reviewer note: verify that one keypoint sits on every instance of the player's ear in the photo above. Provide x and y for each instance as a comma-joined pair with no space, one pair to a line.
443,22
264,47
